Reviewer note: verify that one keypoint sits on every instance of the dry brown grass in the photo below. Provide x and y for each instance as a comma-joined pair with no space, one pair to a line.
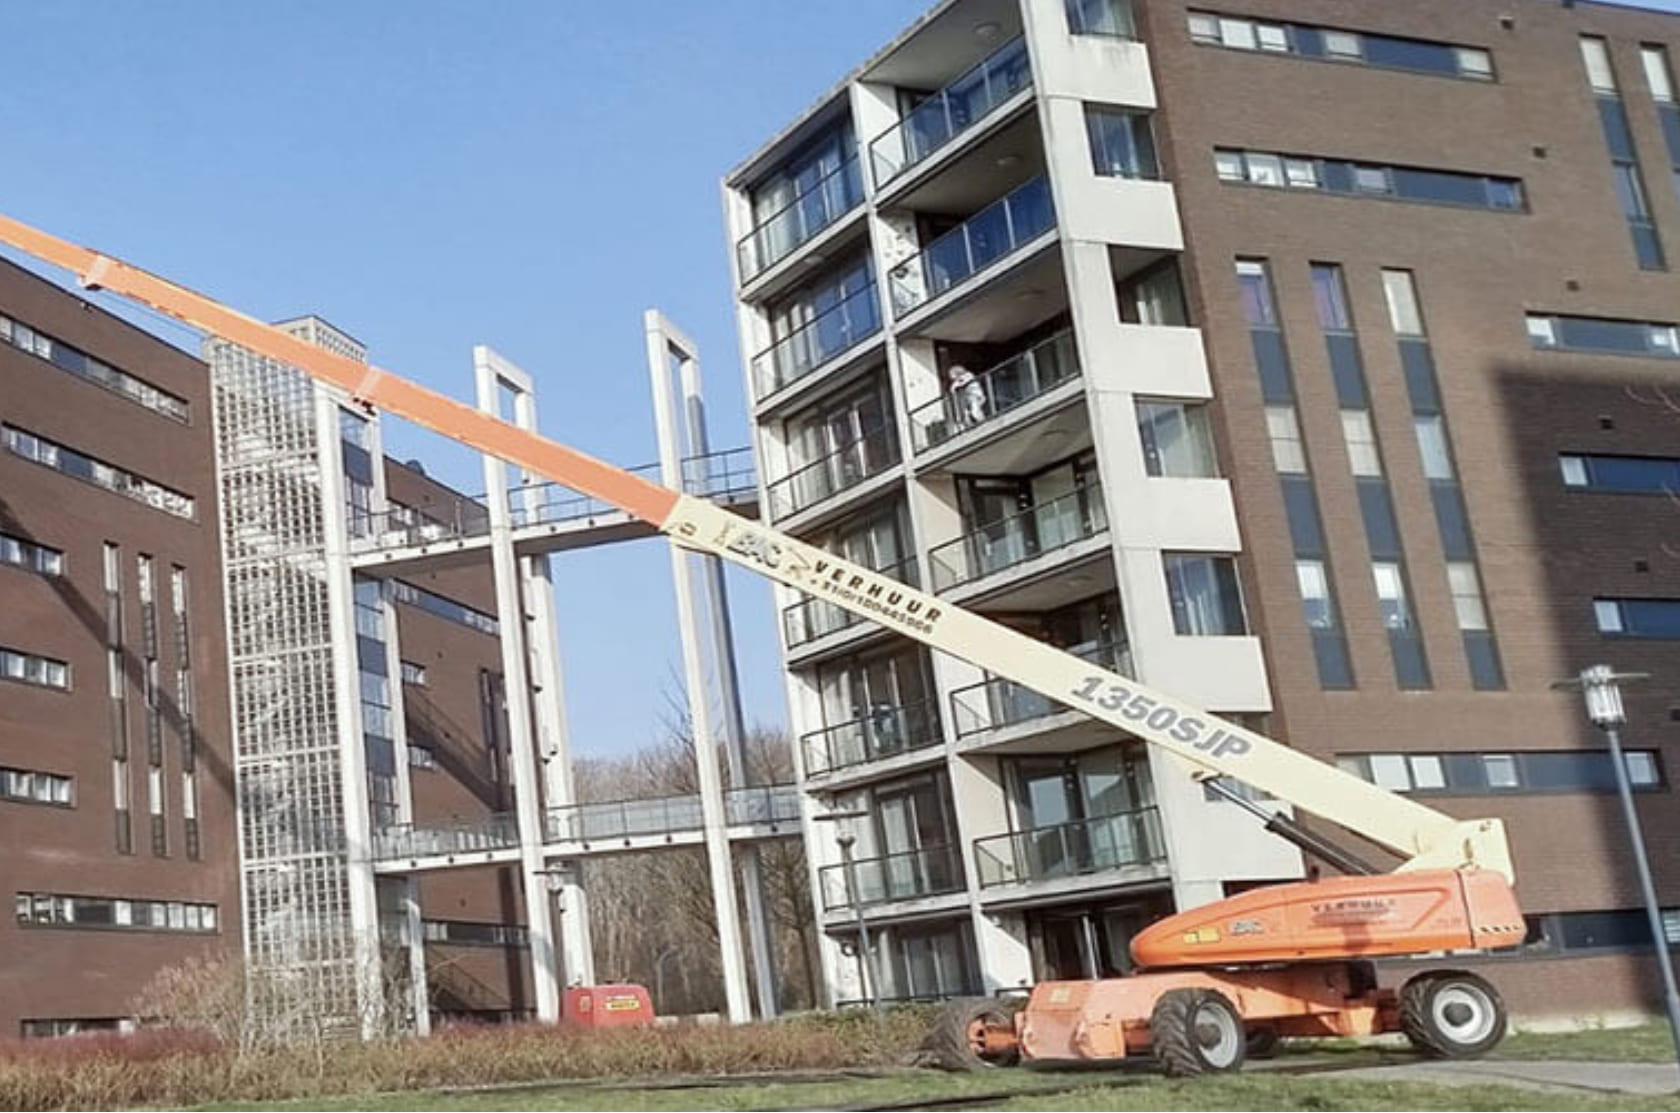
179,1068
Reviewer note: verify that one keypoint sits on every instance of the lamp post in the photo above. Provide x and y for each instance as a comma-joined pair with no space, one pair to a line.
866,955
1602,688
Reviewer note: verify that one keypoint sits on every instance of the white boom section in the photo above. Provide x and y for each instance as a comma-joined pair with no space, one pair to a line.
1426,838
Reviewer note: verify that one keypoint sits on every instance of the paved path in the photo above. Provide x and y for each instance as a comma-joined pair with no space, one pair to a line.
1554,1075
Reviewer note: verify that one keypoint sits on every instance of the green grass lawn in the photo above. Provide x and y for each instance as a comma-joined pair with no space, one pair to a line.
1649,1043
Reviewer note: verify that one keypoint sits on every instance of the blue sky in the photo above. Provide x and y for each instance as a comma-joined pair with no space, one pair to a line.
430,175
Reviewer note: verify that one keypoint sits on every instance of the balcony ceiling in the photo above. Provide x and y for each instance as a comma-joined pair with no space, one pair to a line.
1058,586
950,42
1004,306
1004,159
1029,446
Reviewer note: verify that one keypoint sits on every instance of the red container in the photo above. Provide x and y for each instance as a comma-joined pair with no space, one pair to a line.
607,1006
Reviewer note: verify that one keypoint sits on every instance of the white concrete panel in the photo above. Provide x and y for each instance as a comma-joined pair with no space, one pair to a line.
1005,956
1156,361
1120,211
1184,515
1224,673
1085,67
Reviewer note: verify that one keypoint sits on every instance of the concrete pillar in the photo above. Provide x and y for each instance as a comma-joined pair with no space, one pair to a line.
491,372
661,338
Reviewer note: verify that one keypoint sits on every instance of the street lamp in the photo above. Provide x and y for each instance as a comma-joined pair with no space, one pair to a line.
1602,688
866,955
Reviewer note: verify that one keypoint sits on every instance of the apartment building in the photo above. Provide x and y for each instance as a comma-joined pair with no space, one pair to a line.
1312,361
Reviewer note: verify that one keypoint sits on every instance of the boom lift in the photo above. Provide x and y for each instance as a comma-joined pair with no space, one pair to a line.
1284,960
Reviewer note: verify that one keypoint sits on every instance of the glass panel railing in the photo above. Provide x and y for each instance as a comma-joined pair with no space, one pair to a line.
1041,529
1015,219
996,702
849,321
1106,842
994,392
885,732
776,236
810,619
953,110
401,526
847,466
669,814
499,831
760,804
902,876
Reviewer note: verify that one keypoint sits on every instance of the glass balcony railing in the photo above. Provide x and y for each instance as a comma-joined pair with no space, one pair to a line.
847,466
996,702
810,619
499,831
1087,846
1041,529
902,876
885,732
1015,219
776,236
953,110
669,814
993,393
848,322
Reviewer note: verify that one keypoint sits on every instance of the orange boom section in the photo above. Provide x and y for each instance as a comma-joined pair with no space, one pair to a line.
1339,918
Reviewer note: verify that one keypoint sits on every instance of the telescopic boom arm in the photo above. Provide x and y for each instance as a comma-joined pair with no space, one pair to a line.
1421,836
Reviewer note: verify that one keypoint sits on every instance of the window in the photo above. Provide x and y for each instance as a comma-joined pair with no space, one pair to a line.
1361,441
1314,582
413,674
1474,774
1229,165
1256,293
444,608
1596,56
1101,17
1176,440
1301,173
1340,176
1604,335
1371,179
1263,169
1473,62
1204,594
1326,43
1342,44
1155,296
1466,588
1638,618
1391,595
84,366
30,556
30,669
51,909
72,463
1330,298
1432,446
30,787
1622,474
468,933
1238,33
1122,145
1204,28
1284,429
1657,75
1401,295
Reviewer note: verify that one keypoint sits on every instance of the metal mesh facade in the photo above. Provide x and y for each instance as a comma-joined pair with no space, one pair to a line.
299,939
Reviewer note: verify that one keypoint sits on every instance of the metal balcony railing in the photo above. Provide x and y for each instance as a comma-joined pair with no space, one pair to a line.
994,392
950,112
669,814
904,876
996,702
499,831
847,466
884,732
776,236
842,325
1086,846
1040,529
1013,220
810,619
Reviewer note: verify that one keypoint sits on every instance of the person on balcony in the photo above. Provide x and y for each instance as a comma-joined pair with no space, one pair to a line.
968,397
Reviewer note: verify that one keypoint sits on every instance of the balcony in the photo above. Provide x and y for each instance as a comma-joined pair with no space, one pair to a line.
810,619
779,235
995,392
845,467
904,876
499,831
996,702
995,232
1057,524
1087,846
842,326
953,111
883,733
626,819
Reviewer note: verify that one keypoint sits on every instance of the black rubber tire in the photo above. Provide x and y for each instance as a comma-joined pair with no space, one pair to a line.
1176,1029
1262,1042
948,1043
1426,1018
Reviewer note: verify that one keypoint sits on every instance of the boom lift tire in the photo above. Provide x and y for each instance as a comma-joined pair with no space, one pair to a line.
959,1038
1452,1014
1197,1031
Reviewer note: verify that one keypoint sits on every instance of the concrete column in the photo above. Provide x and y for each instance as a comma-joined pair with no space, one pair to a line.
491,371
347,710
660,339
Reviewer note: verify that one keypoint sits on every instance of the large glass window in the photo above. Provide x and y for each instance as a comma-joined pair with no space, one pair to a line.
1330,298
1284,429
1638,618
1423,184
1203,591
1432,446
1401,295
1596,56
1101,17
83,366
1122,145
1314,582
1256,290
1391,595
1361,441
1176,439
72,463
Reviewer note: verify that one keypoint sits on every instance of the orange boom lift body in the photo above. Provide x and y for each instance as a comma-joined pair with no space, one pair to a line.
1284,960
